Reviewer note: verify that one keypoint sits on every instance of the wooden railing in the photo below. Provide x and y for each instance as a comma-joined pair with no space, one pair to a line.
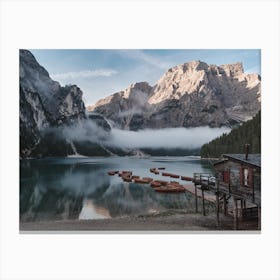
202,179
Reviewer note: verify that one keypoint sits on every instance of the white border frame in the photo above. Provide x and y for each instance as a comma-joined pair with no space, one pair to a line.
135,24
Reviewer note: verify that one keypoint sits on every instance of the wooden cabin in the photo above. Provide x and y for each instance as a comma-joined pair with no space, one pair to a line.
241,174
237,186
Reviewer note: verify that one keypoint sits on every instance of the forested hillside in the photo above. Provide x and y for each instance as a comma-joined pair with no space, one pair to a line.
233,142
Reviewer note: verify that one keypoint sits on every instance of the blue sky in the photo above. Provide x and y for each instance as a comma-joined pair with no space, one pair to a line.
100,73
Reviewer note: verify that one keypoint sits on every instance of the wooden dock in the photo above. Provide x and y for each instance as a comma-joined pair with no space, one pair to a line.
207,196
229,200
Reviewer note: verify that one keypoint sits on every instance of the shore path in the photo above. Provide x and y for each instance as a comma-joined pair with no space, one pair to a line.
171,221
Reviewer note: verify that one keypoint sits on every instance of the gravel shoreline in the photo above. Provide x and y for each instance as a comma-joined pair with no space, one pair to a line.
169,221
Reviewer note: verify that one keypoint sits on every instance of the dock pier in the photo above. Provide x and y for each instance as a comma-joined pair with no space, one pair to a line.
229,200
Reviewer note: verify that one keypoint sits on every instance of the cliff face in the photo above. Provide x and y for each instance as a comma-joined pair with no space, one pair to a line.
123,107
47,110
189,95
57,105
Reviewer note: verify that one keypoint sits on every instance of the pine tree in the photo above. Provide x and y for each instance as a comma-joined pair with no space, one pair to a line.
248,133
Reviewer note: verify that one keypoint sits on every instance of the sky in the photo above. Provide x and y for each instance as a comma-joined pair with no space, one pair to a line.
100,73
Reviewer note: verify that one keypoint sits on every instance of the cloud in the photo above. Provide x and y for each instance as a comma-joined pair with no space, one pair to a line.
87,130
85,74
189,138
140,55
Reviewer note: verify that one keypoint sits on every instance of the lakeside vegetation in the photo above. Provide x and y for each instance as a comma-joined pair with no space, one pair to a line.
233,142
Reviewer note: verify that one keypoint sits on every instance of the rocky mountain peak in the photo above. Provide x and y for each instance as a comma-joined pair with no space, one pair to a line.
60,104
28,61
191,94
132,98
34,77
44,103
233,70
137,89
179,80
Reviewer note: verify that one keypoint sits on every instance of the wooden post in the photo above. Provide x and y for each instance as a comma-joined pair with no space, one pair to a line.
253,187
203,205
259,217
195,189
229,180
244,203
225,204
235,214
217,203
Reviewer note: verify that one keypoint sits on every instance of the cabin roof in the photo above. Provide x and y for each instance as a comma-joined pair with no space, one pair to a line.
253,159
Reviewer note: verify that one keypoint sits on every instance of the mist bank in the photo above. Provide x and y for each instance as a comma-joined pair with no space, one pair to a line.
97,138
168,138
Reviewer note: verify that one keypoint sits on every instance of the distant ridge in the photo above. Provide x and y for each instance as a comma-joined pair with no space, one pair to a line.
188,95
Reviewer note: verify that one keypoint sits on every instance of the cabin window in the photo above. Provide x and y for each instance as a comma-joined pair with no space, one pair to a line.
246,177
226,176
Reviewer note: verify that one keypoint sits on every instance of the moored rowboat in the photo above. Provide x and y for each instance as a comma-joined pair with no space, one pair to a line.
149,179
162,182
112,173
186,178
141,181
155,184
126,179
174,176
125,173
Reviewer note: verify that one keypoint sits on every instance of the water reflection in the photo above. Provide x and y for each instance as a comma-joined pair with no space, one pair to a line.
81,189
93,212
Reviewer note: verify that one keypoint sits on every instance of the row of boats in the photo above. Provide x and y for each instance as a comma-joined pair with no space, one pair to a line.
161,186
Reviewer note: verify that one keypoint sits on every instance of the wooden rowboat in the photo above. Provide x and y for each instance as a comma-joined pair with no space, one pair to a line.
173,183
141,181
155,184
154,170
162,182
112,173
149,179
170,175
186,178
126,179
174,176
127,172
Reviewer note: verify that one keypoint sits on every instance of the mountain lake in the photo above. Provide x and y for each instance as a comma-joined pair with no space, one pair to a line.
79,188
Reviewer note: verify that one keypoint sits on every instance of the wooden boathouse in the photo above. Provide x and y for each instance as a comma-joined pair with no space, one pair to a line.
237,185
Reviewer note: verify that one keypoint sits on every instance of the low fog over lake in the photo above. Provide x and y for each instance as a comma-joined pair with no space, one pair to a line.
165,138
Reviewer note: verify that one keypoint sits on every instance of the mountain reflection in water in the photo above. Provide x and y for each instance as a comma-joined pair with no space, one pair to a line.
93,212
79,188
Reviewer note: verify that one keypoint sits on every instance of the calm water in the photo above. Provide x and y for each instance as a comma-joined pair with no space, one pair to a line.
79,188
